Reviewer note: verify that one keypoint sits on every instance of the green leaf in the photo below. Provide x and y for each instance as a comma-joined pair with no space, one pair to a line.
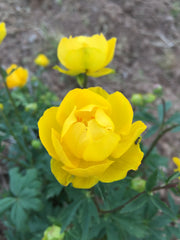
173,176
161,205
3,72
134,227
161,109
136,204
53,189
152,130
112,233
69,215
86,220
175,118
151,182
6,203
15,181
18,216
176,129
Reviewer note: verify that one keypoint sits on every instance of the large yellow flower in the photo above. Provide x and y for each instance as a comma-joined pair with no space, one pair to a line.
84,54
17,76
2,31
91,137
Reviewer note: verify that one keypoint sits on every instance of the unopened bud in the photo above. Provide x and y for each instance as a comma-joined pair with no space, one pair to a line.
138,184
137,99
31,107
158,90
149,98
36,144
53,233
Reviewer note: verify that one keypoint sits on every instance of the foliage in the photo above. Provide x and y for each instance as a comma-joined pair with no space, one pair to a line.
120,210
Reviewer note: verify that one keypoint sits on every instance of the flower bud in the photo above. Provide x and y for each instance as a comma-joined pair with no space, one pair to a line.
53,233
41,60
1,107
158,90
25,129
149,98
36,144
138,184
31,107
137,99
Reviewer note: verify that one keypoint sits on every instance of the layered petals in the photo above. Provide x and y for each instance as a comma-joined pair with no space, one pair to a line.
91,137
85,54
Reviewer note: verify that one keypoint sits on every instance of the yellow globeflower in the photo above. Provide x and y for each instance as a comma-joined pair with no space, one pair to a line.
177,162
42,60
2,31
84,54
91,137
17,76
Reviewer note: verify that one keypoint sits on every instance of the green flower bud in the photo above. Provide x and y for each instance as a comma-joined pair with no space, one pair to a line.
36,144
149,98
1,107
25,129
31,107
53,233
137,99
138,184
34,79
158,90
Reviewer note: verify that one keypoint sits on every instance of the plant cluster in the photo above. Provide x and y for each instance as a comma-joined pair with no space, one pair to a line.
105,183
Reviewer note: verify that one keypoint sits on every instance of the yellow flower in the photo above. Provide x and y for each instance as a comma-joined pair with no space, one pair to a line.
1,107
177,162
42,60
2,31
91,137
84,54
17,76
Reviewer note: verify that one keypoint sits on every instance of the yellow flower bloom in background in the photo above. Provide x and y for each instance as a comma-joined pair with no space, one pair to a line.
84,54
2,31
91,137
17,76
42,60
177,162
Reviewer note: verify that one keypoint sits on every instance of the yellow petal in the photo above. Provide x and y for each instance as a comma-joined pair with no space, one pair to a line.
68,122
101,142
84,182
75,139
2,31
60,153
79,98
62,176
100,91
111,49
87,169
125,143
103,119
129,161
45,124
101,72
177,162
122,112
68,72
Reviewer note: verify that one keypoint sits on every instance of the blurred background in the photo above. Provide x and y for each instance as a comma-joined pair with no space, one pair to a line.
147,51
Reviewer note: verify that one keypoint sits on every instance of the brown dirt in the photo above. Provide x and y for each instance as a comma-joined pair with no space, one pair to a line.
147,52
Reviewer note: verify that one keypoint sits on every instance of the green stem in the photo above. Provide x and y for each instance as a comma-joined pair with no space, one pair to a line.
12,133
159,136
12,101
85,81
119,208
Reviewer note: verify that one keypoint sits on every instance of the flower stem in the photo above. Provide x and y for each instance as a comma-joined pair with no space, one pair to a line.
12,133
159,136
119,208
